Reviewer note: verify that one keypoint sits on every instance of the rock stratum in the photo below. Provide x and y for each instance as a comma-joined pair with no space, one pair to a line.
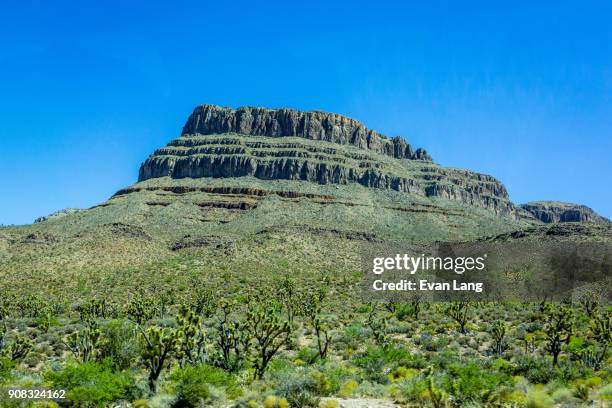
314,125
554,211
319,147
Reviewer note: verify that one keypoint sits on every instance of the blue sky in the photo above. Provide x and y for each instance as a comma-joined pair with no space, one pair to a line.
520,91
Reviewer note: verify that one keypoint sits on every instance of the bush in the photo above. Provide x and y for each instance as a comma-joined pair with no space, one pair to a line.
471,383
192,384
92,382
6,365
535,369
298,386
118,343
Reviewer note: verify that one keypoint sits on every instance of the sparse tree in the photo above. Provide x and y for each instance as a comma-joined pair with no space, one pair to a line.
191,339
459,311
83,344
158,346
498,332
558,328
269,333
313,311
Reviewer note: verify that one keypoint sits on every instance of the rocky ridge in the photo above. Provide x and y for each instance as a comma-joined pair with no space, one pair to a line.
553,211
295,158
315,125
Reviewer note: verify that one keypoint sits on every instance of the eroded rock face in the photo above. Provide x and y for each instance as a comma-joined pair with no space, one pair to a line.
552,211
315,125
294,158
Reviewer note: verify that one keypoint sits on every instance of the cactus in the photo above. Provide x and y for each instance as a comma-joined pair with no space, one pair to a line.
140,310
313,311
84,344
204,302
268,331
378,325
601,332
498,332
589,300
459,311
558,329
191,340
286,294
232,343
158,346
20,348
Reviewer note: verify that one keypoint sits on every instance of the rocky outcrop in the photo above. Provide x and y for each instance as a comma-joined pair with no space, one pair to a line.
315,125
551,211
58,214
267,158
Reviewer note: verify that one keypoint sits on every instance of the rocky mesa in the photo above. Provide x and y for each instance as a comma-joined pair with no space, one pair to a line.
314,125
314,146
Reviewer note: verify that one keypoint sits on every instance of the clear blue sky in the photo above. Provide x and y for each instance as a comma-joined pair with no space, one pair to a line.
519,91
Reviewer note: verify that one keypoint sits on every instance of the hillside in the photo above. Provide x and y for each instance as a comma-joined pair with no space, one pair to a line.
230,275
329,181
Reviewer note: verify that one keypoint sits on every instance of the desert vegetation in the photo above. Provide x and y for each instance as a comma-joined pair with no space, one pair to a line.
299,343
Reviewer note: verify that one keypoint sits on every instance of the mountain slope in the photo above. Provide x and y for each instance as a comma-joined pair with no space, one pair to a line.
294,191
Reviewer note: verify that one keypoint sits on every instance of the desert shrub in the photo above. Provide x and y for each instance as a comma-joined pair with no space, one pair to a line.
336,375
272,401
412,390
374,359
432,343
95,383
538,399
605,393
535,369
471,383
297,385
118,343
6,365
308,355
192,384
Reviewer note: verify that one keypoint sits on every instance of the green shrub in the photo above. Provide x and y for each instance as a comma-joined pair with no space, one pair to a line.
298,386
535,369
192,384
94,383
472,383
118,343
6,365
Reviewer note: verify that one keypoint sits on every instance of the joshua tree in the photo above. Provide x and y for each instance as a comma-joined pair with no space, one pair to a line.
558,329
458,311
268,332
83,344
191,340
378,325
20,348
204,302
589,302
159,344
498,332
232,341
313,310
601,331
286,294
140,310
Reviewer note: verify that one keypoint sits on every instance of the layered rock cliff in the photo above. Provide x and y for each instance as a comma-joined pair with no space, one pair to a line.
315,125
319,147
552,211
